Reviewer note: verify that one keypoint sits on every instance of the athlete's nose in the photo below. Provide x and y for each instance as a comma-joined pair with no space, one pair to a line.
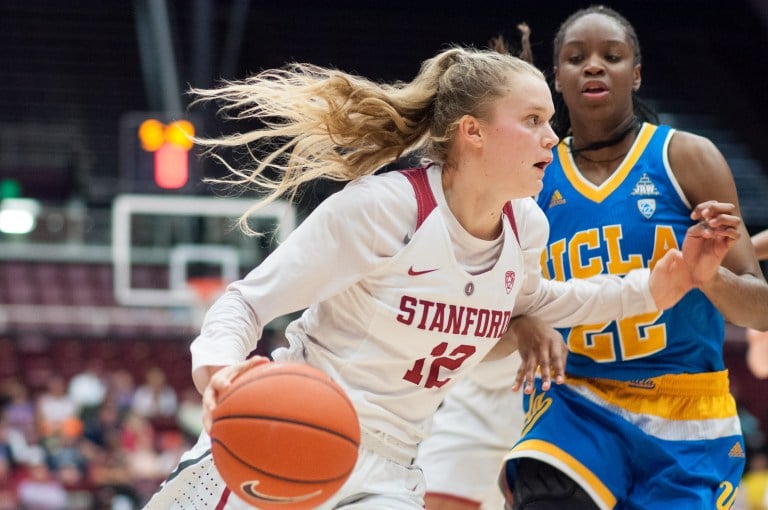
550,137
594,65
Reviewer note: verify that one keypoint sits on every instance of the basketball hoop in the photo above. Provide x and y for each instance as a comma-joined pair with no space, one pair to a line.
206,289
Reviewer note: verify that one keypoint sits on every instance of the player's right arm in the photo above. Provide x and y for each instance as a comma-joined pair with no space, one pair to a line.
346,236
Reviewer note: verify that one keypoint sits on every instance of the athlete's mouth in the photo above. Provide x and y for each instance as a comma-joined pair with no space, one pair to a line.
594,87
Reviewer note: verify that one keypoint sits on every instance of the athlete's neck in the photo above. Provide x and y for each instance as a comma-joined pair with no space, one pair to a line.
475,213
580,144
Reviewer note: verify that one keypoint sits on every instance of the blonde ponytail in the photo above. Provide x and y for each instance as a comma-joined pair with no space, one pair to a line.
324,123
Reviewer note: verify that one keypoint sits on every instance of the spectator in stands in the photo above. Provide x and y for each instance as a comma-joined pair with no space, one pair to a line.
13,443
78,487
8,500
20,409
155,398
110,474
39,489
120,389
87,388
54,406
65,448
189,417
68,459
107,423
144,461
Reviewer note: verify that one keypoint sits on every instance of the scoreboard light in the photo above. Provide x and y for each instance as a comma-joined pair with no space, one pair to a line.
155,153
171,145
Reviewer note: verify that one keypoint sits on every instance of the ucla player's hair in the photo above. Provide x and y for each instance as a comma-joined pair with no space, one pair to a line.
500,45
315,122
561,121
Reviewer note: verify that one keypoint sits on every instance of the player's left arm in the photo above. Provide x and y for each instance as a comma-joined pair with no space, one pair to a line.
738,289
760,242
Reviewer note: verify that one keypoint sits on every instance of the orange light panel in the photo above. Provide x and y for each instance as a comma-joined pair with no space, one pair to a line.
171,166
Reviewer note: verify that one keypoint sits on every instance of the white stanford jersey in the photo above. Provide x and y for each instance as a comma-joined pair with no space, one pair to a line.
392,315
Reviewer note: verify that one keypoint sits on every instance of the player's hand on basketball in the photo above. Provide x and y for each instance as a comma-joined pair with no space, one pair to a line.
707,242
220,381
541,349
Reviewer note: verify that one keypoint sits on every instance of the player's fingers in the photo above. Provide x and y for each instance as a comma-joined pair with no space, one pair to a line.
711,208
725,220
527,367
705,230
243,366
726,227
209,404
530,376
559,355
519,378
546,375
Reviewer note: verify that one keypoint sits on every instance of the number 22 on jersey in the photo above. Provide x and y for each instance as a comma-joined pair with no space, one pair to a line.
636,337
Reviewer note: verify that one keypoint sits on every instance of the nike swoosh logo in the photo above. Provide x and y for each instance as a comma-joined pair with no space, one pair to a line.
249,488
413,272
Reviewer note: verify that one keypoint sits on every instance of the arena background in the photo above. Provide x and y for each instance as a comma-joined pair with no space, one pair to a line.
116,269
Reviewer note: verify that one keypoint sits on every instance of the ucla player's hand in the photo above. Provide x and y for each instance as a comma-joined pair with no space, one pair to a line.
704,248
542,349
707,242
220,381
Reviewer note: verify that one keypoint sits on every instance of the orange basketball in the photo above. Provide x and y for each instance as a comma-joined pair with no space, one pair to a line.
284,435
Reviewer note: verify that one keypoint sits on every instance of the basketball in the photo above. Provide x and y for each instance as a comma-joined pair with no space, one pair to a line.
284,435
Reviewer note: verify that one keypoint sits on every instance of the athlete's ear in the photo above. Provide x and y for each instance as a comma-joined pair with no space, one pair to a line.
557,80
470,130
637,78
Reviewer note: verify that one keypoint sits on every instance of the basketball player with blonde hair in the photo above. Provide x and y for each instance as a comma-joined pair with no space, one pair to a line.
407,279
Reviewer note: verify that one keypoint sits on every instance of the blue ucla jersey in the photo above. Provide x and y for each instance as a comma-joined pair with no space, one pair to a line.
643,213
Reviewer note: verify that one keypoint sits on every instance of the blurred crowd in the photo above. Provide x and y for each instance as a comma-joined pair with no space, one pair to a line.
96,440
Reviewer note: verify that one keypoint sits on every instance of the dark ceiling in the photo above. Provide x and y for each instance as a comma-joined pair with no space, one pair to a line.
71,69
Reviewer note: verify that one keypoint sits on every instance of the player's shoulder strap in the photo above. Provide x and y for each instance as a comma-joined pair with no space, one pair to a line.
425,199
510,213
426,202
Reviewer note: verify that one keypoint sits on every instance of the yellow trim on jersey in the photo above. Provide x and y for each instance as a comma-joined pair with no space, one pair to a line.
661,396
598,487
599,193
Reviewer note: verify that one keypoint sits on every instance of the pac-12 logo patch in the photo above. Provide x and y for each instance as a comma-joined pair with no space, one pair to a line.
647,207
509,281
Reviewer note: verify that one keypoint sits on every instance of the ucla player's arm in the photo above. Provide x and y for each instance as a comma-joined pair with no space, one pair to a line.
760,243
739,289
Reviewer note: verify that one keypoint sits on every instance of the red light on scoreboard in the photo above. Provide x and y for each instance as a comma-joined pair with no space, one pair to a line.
170,144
